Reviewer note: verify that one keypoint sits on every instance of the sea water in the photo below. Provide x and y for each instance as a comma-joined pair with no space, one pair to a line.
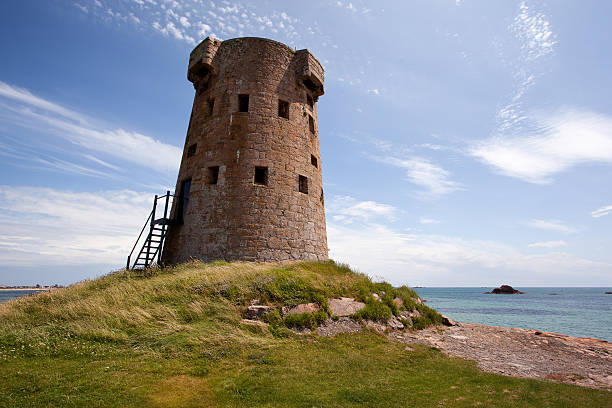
580,312
6,295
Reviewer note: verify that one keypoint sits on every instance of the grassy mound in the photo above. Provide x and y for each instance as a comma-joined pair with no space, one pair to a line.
174,337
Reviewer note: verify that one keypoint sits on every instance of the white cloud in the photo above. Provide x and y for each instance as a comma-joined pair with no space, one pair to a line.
426,174
81,7
421,259
184,22
348,210
559,141
427,220
548,244
374,91
551,225
536,43
43,226
22,108
600,212
534,31
192,20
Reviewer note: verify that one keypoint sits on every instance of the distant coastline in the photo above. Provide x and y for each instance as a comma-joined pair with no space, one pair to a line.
31,288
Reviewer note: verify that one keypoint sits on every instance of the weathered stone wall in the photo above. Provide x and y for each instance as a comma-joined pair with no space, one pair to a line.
237,219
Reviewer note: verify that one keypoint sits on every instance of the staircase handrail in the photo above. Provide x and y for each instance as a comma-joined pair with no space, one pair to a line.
152,220
138,239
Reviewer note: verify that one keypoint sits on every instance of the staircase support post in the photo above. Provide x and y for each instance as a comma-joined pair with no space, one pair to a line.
163,232
151,231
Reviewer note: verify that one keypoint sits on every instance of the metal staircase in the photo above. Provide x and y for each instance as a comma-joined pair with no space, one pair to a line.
153,244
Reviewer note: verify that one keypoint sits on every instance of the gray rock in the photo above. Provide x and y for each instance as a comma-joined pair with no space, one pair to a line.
344,306
395,323
256,312
379,327
330,327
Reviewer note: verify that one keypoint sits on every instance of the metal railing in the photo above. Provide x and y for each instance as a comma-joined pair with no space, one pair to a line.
152,222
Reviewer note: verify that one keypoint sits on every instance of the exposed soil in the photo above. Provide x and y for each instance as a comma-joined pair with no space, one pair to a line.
522,353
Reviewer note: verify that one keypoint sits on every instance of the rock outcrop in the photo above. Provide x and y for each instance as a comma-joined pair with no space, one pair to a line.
505,290
344,306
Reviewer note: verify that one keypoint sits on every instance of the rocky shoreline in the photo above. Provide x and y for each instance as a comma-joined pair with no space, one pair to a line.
501,350
522,353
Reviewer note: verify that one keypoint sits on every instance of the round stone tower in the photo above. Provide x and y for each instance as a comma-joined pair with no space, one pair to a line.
250,186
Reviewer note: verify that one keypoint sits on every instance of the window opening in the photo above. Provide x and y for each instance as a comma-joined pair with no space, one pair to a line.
213,174
191,150
310,101
311,124
211,106
261,176
184,199
303,184
283,109
309,84
243,103
314,161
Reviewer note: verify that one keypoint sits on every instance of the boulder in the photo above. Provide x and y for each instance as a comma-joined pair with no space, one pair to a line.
299,309
344,306
375,296
505,290
447,321
256,312
395,323
398,302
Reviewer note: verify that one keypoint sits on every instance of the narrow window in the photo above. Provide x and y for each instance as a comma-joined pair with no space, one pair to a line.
314,161
322,199
311,124
283,109
303,184
310,101
243,103
211,106
213,174
261,176
183,199
191,150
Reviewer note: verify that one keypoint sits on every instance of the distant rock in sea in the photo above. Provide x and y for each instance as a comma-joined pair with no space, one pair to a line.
505,290
607,293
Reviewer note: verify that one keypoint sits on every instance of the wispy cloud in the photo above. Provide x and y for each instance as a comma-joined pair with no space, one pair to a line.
551,225
434,179
96,227
428,220
548,244
347,210
425,259
600,212
192,20
20,107
560,141
536,42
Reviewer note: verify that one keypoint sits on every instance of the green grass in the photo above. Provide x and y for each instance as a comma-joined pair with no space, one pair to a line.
174,338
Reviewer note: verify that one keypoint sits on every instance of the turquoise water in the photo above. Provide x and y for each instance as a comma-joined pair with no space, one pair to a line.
581,312
6,295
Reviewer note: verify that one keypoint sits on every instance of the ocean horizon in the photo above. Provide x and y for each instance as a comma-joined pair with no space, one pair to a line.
575,311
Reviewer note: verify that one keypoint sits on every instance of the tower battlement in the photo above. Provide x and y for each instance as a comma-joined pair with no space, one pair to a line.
250,184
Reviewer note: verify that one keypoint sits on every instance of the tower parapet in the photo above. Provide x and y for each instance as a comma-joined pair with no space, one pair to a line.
250,184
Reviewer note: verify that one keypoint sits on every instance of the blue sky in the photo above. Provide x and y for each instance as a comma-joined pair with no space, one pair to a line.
463,143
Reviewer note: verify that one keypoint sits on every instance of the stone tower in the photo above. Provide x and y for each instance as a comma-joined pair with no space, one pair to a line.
250,186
